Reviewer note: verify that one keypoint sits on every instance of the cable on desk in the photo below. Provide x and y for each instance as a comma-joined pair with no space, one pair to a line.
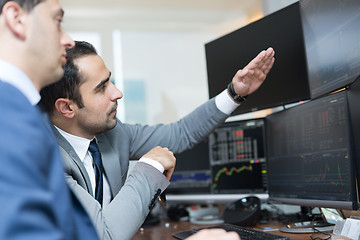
316,231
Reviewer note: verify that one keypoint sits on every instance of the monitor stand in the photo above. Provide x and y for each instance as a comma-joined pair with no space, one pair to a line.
311,225
307,227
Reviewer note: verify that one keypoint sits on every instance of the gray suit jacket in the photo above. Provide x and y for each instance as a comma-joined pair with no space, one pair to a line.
133,198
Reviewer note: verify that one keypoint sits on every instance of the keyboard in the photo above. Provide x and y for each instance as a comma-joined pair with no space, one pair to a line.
244,233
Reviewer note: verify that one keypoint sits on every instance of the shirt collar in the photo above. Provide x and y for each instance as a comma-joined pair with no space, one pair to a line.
14,76
80,145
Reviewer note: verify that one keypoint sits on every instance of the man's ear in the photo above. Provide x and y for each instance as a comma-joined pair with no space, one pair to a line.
15,18
65,107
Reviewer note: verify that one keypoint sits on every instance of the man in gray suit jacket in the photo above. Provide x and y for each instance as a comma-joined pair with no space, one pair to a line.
82,106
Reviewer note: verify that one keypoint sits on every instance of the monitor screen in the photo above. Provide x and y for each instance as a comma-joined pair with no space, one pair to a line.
287,81
192,171
331,33
237,157
310,154
228,166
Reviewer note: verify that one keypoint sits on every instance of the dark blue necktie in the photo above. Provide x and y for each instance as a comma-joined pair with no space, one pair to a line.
95,153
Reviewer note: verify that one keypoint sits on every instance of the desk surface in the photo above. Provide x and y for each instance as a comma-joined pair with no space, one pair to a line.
164,230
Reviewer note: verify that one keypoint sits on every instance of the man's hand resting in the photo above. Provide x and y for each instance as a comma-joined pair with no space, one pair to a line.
165,157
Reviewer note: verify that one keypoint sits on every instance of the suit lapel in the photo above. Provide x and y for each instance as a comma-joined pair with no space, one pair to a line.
111,167
64,144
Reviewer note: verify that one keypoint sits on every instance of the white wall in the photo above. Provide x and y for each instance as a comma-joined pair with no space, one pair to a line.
168,56
172,65
270,6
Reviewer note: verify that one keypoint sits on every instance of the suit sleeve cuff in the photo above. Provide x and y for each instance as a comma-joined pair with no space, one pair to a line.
153,163
224,103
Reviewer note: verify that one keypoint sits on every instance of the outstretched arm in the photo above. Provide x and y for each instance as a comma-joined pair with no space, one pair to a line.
250,78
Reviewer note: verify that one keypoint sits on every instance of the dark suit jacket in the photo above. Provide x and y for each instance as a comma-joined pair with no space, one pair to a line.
34,197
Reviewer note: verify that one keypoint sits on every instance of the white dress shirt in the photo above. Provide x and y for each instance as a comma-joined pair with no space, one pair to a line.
14,76
224,103
81,147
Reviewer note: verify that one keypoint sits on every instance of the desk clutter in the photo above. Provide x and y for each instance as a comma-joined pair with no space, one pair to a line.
247,212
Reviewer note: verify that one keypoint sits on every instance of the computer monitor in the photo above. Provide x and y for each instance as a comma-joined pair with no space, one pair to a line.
331,33
192,171
228,166
310,156
353,93
237,157
287,81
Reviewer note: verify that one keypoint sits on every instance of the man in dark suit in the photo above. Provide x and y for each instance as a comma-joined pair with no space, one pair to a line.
35,200
82,106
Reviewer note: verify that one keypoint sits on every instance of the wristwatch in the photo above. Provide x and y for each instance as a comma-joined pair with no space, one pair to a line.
237,98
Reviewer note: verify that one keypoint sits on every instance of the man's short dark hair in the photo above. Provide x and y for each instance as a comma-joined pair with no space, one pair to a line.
69,85
26,4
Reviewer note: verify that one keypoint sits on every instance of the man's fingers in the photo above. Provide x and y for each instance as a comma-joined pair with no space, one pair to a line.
261,59
267,65
169,173
242,73
267,70
249,79
256,61
162,155
270,52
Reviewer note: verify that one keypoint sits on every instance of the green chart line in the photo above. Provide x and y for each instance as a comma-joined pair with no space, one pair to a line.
230,172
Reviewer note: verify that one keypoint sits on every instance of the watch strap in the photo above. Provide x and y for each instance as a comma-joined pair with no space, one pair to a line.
237,98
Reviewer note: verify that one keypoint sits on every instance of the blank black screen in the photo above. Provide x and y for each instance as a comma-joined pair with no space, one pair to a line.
287,81
332,40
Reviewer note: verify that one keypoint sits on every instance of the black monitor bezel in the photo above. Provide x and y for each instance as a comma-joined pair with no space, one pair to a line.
352,204
227,54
